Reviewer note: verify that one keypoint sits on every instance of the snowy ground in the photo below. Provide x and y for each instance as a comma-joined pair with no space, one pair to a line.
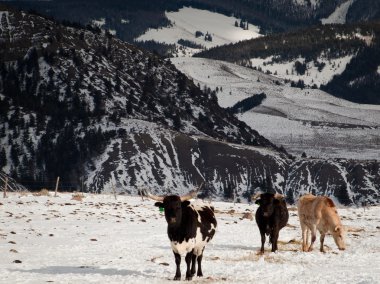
187,21
59,240
308,120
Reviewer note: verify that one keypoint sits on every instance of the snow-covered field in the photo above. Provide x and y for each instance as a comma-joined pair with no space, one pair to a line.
188,20
301,120
58,240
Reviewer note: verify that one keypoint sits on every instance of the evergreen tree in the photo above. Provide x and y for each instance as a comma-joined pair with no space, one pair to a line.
3,158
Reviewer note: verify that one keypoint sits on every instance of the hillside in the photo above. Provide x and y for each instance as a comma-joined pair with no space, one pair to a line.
103,114
130,19
66,92
337,58
302,120
192,30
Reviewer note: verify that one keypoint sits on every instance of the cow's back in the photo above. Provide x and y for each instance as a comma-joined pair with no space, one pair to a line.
312,209
283,214
306,204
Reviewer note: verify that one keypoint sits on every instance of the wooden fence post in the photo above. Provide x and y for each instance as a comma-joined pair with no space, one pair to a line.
113,190
56,187
5,187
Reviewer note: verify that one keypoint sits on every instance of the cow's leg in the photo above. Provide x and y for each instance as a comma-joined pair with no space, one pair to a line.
188,258
193,260
322,240
199,273
262,241
305,237
274,237
313,236
178,263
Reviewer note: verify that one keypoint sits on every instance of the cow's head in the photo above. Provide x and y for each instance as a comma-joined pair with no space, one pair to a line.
267,201
339,235
173,205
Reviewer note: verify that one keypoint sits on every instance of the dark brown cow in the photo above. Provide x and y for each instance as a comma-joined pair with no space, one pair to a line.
271,216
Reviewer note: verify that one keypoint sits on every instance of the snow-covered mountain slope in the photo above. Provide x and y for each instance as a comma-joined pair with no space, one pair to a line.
187,21
339,15
103,240
64,92
341,59
303,120
166,160
99,113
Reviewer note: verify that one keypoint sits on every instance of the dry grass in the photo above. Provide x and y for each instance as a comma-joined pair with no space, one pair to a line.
292,241
78,196
354,230
42,192
24,193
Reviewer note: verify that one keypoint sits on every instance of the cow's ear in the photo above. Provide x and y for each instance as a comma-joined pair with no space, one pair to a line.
185,203
258,201
159,204
337,229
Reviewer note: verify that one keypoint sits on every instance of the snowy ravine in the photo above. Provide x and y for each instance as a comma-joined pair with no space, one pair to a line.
59,240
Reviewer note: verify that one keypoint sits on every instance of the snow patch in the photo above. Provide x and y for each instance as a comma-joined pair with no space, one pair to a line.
187,21
112,32
339,15
313,74
314,3
99,23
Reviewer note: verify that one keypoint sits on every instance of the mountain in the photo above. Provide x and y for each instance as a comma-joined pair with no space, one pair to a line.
130,19
338,58
303,120
103,114
66,92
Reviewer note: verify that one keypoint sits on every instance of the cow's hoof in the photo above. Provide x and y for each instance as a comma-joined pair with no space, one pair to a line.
188,278
177,278
200,274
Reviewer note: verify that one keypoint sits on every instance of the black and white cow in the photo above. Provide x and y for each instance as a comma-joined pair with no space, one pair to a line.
190,228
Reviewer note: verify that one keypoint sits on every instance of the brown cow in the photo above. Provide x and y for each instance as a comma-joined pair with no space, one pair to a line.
319,212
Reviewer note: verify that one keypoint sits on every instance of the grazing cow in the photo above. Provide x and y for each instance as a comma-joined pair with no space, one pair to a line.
319,213
190,228
271,216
